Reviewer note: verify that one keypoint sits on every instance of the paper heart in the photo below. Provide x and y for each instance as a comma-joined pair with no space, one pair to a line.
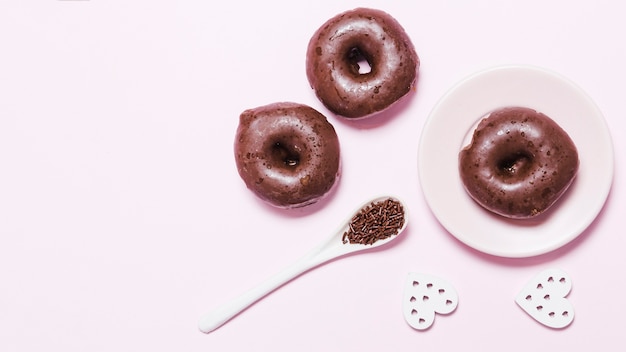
544,298
425,295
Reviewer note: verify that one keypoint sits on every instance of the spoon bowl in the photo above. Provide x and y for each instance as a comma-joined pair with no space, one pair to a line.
337,245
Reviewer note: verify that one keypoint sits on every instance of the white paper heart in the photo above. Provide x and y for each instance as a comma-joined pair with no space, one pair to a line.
425,295
544,298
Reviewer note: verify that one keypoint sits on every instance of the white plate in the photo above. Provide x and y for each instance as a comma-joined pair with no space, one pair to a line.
455,116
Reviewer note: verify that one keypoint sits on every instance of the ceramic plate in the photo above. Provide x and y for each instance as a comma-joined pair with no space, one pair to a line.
448,129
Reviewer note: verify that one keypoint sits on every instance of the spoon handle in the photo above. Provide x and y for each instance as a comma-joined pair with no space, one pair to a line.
221,315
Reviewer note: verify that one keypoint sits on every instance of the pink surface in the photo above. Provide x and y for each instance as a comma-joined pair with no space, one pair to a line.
123,219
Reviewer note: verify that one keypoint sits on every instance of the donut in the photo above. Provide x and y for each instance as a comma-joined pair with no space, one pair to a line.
518,163
287,153
338,56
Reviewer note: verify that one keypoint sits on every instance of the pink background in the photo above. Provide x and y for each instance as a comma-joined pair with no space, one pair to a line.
123,218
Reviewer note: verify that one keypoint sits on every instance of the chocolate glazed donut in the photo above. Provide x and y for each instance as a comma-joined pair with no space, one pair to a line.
519,163
361,35
287,154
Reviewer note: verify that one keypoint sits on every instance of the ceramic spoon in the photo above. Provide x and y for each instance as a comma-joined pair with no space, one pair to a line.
330,249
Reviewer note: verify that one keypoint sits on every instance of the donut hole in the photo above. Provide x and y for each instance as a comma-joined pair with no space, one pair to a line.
283,155
514,163
359,61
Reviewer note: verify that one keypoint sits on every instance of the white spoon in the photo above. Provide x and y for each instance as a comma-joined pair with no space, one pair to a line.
332,248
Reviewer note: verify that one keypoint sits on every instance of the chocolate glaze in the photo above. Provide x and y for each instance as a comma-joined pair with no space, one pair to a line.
519,163
287,153
361,34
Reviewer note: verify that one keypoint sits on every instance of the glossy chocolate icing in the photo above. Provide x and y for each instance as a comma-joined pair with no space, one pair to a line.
287,153
337,47
519,163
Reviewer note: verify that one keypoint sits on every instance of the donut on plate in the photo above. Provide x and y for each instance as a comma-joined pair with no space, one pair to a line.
518,163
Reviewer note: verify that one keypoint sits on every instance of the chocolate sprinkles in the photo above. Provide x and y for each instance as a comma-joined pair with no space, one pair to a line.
374,222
